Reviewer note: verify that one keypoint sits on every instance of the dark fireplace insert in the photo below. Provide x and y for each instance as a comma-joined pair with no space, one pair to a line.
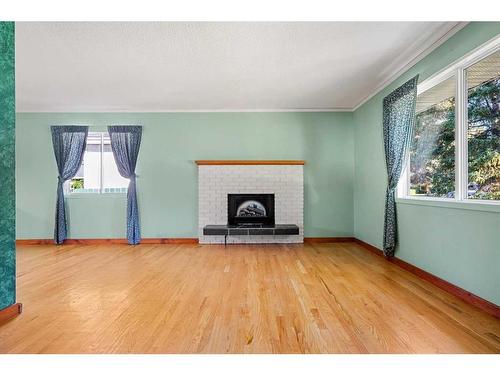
250,210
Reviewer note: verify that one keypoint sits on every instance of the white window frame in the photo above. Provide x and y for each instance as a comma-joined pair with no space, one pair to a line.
101,192
457,70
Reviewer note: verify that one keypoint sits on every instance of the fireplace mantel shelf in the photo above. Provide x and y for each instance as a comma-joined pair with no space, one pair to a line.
250,162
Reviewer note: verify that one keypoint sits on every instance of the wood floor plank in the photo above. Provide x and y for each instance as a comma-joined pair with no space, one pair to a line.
276,298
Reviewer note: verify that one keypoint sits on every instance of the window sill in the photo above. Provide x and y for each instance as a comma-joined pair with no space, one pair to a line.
95,196
463,205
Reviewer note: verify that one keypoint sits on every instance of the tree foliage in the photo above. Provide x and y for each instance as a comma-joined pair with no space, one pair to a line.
76,183
484,139
432,152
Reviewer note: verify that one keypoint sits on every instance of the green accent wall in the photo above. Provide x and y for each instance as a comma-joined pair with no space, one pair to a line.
459,245
167,182
7,165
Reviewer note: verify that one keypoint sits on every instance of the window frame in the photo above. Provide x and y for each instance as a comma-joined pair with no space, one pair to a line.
76,194
457,70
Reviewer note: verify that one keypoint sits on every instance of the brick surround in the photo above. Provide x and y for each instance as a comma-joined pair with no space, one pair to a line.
286,182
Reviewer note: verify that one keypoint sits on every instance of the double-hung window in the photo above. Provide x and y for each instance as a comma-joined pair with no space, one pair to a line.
98,172
455,150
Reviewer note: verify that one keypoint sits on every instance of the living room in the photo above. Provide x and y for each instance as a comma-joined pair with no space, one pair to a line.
250,187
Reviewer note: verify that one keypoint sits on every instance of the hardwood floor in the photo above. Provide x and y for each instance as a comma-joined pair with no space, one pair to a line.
313,298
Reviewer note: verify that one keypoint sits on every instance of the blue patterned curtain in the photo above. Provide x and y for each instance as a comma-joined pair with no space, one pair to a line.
69,145
125,143
399,120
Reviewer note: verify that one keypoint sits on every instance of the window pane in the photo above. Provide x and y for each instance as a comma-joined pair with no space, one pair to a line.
112,181
88,177
483,130
432,150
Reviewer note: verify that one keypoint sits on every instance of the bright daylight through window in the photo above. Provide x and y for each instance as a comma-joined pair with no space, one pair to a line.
458,157
98,172
432,152
483,128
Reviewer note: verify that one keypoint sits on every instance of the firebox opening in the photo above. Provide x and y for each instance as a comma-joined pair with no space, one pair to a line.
250,209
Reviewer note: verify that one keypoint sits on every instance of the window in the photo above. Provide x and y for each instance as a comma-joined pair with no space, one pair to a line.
98,172
432,151
455,150
483,128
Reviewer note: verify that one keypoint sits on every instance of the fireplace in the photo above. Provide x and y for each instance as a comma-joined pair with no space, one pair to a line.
250,210
217,210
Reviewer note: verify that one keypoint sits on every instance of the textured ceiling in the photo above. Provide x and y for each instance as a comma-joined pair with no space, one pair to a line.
172,66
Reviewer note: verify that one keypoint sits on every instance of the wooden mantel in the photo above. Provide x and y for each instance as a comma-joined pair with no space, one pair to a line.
250,162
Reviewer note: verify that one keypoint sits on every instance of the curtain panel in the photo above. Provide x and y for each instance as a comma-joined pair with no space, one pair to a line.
398,125
125,144
69,144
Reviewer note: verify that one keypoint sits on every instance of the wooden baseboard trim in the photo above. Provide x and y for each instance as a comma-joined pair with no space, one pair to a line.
367,246
35,242
170,241
104,241
147,241
327,239
10,312
463,294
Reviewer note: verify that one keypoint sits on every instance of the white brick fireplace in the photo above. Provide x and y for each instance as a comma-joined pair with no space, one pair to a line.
284,179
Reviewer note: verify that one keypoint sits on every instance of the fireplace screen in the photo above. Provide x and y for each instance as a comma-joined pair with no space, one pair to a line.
246,209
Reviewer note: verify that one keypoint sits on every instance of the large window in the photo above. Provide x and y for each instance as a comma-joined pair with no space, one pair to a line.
455,150
432,152
98,172
483,128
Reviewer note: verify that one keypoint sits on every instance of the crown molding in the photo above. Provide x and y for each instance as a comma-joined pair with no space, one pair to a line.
89,110
431,46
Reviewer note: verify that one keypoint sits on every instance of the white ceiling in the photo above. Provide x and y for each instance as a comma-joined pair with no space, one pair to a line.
186,66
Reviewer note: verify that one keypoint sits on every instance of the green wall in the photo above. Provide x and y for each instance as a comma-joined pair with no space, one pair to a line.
7,165
461,246
167,183
345,178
